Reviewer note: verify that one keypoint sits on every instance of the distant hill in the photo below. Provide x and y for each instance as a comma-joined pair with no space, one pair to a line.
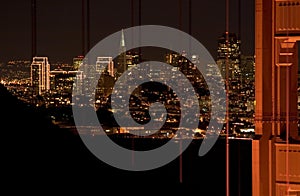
33,150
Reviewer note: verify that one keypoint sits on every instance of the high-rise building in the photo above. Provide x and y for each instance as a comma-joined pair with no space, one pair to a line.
79,84
40,75
247,68
132,59
183,64
121,60
105,64
77,61
247,93
126,59
62,85
229,56
229,53
105,67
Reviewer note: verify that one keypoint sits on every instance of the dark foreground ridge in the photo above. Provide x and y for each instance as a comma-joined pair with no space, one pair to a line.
37,155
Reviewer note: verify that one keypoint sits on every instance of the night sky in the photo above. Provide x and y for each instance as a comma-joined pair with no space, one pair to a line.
59,26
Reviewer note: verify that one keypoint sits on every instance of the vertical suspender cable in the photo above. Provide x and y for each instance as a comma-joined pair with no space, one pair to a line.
33,29
87,25
83,27
180,143
227,95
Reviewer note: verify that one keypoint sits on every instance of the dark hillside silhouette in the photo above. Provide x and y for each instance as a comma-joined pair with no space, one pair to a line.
37,155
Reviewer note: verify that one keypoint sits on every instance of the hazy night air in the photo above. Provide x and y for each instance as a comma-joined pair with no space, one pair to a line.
59,24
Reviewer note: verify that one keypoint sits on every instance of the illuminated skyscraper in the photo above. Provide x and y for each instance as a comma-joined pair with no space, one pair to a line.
40,75
62,83
105,64
122,65
229,54
233,53
132,59
247,92
77,61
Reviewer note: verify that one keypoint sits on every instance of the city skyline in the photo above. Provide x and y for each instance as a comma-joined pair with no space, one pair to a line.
228,124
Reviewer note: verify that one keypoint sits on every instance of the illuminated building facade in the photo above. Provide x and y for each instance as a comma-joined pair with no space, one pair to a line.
77,61
105,67
132,59
105,64
61,83
229,54
232,54
125,61
121,59
62,80
247,93
40,75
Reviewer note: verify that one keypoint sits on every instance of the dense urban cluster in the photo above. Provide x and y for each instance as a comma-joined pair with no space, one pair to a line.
56,85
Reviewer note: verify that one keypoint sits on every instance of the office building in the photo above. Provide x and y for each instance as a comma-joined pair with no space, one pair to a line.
40,75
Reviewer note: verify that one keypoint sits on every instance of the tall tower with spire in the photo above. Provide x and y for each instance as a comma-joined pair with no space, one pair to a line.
121,62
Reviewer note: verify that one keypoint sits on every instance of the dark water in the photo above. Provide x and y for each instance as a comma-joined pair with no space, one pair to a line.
200,175
66,164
